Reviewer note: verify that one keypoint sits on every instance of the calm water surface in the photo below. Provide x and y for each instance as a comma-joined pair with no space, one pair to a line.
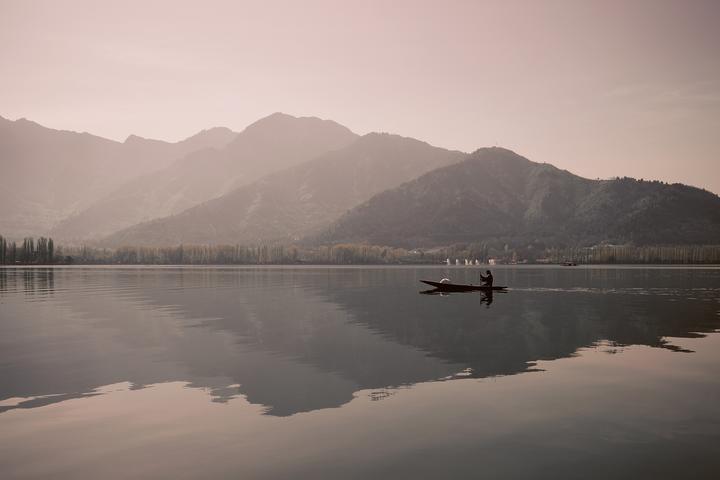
351,373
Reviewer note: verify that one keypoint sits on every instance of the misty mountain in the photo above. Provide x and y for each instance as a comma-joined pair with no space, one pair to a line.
271,144
497,195
48,174
299,200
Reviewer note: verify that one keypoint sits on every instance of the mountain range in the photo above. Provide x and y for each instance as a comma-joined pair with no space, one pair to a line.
296,202
268,145
303,179
49,174
497,195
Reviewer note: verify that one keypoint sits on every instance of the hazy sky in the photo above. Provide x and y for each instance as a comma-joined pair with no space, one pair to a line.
600,88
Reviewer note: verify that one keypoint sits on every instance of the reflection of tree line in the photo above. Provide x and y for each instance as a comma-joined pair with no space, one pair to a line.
30,281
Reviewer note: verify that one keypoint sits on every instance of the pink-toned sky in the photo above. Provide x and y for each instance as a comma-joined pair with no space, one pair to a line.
601,88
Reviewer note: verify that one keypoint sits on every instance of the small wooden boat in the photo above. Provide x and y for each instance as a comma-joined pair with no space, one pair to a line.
458,287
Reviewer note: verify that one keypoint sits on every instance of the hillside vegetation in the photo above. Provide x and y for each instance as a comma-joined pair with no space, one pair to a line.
496,195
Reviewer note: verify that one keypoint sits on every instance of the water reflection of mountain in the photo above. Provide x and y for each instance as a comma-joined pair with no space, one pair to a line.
302,339
535,323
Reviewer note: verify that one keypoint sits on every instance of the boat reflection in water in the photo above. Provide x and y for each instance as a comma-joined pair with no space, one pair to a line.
486,296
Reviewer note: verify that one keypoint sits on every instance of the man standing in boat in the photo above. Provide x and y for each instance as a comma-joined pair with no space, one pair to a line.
487,279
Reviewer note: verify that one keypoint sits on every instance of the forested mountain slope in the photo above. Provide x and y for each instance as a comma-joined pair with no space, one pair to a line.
497,195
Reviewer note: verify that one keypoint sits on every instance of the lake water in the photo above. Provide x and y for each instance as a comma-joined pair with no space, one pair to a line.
315,372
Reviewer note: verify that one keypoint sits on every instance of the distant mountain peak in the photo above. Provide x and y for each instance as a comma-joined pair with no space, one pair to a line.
25,121
273,119
495,150
280,115
215,136
213,129
134,138
283,120
500,157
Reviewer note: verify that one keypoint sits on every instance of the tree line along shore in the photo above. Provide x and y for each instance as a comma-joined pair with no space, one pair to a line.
44,251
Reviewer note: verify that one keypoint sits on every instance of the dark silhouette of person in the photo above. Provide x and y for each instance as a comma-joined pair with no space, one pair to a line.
487,279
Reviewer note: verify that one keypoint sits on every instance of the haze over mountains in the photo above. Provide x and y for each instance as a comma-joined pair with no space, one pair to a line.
48,174
293,203
268,145
289,179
